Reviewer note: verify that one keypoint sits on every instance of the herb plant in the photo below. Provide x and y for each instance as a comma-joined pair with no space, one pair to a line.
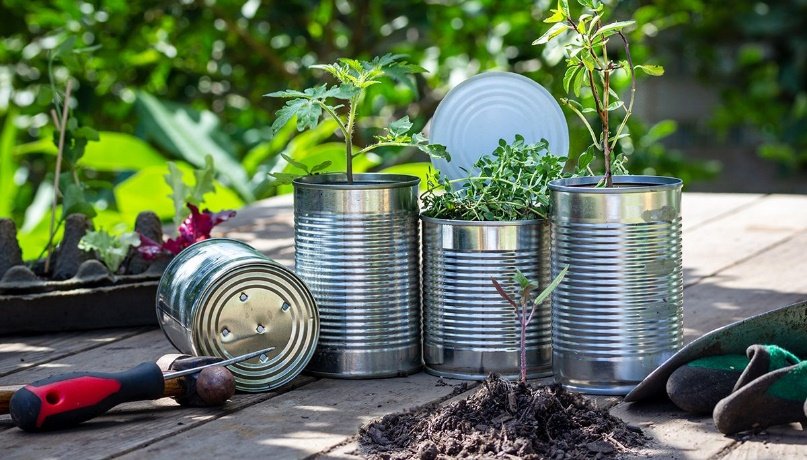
341,102
512,184
520,309
112,250
589,68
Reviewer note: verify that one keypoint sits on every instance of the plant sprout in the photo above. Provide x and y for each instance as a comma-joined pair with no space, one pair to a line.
520,309
354,77
588,65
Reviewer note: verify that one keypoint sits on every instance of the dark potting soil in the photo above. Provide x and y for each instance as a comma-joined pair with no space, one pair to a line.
502,420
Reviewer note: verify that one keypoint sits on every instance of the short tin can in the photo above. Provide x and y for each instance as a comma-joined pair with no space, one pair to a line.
469,330
618,313
221,297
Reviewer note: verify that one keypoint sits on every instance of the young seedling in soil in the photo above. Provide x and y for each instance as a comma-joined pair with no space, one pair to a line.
354,78
590,72
520,309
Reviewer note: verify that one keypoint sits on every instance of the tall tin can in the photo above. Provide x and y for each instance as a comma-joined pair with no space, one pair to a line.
618,313
356,247
469,329
221,297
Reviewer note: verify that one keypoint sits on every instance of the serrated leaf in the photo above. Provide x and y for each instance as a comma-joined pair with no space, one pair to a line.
283,178
554,31
110,249
203,184
652,70
612,28
178,191
287,93
307,112
400,127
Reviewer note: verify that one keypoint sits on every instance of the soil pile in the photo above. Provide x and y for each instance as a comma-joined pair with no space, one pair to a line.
506,420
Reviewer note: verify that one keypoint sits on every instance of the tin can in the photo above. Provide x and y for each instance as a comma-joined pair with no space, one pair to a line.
357,248
469,330
618,313
221,297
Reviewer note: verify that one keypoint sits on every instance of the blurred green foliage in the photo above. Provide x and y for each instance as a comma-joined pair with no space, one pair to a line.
183,79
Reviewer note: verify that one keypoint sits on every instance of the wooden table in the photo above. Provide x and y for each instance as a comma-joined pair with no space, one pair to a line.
743,254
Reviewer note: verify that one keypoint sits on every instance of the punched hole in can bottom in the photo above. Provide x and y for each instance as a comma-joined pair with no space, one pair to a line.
260,329
285,306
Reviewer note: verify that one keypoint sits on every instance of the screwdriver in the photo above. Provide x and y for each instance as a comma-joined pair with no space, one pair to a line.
66,400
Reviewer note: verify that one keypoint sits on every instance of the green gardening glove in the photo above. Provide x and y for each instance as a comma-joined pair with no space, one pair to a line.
773,398
699,385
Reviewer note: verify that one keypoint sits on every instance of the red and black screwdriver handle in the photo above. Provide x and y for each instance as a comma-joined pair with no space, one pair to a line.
66,400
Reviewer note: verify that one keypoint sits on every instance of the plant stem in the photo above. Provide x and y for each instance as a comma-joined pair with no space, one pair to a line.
524,300
370,148
62,127
351,118
629,108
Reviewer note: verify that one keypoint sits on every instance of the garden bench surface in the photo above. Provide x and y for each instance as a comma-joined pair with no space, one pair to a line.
743,255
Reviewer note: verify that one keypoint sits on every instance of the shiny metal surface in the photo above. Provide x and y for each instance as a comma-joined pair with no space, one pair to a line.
222,298
356,247
618,313
469,330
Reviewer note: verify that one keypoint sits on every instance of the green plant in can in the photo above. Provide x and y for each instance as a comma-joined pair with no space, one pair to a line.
512,184
589,72
340,102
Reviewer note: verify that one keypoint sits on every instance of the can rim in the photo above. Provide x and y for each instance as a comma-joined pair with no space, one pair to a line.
364,181
482,223
635,184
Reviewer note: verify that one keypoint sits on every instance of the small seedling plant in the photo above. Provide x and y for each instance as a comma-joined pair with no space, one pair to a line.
590,71
341,102
512,184
523,317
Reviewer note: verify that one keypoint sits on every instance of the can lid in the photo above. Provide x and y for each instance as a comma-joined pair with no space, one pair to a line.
253,306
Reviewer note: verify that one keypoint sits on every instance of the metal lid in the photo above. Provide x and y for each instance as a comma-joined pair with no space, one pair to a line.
254,306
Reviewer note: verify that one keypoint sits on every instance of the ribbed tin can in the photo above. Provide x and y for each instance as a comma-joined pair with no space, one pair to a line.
469,330
618,313
221,297
356,247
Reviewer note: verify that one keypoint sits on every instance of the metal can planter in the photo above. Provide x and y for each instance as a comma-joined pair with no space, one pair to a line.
469,329
221,297
618,313
356,247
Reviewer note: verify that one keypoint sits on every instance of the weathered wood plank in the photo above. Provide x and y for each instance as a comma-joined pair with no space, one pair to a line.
699,208
762,283
20,352
780,442
721,243
129,427
300,423
267,225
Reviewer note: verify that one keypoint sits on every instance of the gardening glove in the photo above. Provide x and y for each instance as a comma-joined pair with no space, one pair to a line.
774,398
699,385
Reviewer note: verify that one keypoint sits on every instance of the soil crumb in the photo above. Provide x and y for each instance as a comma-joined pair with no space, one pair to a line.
502,420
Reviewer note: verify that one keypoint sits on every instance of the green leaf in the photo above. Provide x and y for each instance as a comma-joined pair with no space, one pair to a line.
615,105
400,127
553,32
203,184
120,152
86,132
563,5
585,159
434,150
522,281
192,134
296,164
74,202
8,167
320,167
652,70
557,16
288,93
178,192
110,249
284,178
612,28
552,286
307,112
569,76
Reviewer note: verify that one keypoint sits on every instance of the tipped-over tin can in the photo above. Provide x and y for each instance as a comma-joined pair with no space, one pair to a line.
221,297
